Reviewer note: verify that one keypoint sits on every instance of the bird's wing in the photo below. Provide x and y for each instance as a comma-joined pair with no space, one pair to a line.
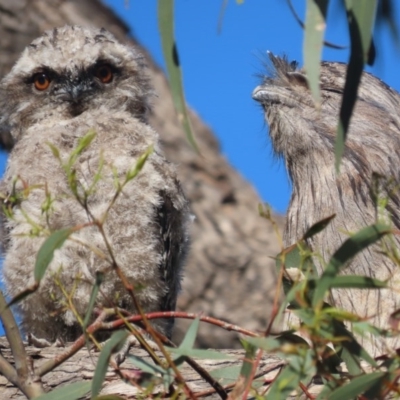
174,243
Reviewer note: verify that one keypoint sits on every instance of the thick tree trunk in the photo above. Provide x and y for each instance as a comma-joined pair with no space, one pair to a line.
229,274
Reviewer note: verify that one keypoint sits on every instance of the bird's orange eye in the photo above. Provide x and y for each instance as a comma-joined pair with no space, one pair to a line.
41,81
104,73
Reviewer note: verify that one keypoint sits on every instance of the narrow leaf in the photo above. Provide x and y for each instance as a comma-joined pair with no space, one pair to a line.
46,252
350,350
345,253
92,300
312,47
139,164
266,343
84,142
54,150
26,292
356,386
318,227
357,282
73,391
190,337
361,17
300,368
114,342
248,362
200,353
296,256
145,366
226,375
166,26
286,382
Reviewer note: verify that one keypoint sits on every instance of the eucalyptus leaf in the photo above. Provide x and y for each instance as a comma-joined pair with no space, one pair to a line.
108,397
139,164
361,17
114,342
314,30
356,386
200,353
318,227
73,391
301,368
145,366
92,300
170,51
190,336
46,252
353,245
226,375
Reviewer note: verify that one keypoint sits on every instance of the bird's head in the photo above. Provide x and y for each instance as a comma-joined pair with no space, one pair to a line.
70,70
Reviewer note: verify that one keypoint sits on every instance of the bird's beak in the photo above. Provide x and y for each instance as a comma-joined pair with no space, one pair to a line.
76,92
259,93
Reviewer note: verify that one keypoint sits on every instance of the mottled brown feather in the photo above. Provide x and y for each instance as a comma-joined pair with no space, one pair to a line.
305,138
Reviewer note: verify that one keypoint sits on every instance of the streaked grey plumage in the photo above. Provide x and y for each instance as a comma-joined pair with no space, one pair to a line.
305,137
91,82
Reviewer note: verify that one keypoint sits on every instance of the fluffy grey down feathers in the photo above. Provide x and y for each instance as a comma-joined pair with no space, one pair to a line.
147,225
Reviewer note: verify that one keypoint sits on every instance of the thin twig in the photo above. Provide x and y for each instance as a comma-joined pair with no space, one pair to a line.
183,315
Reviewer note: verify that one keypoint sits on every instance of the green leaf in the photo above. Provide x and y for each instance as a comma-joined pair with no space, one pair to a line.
341,315
200,353
114,342
314,31
297,260
146,366
361,17
83,143
266,343
318,227
20,296
363,328
356,386
166,26
300,368
357,282
72,391
350,281
350,350
287,381
248,362
296,256
287,342
139,164
190,337
54,150
226,375
92,300
155,372
353,245
329,387
46,252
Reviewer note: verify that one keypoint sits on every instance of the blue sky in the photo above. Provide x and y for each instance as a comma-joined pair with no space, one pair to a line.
219,70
